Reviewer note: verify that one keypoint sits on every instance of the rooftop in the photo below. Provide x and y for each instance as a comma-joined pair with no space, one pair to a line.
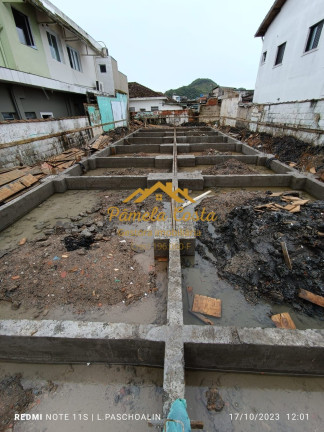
271,15
139,91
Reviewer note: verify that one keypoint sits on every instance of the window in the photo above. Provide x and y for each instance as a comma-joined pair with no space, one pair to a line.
23,28
30,115
280,54
314,36
103,68
9,116
131,109
154,108
52,40
74,58
264,57
46,115
142,109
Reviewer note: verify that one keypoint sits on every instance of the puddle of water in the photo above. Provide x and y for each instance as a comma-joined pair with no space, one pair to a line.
90,390
259,168
57,207
255,394
217,191
203,277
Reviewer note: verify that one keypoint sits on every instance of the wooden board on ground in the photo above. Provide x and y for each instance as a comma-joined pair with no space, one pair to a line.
28,180
207,305
283,320
10,190
313,298
10,176
196,314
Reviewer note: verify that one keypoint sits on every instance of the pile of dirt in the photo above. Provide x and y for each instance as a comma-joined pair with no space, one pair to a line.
14,399
301,155
83,263
230,167
246,244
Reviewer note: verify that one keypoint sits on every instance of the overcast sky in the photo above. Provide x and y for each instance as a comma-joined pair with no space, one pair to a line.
165,44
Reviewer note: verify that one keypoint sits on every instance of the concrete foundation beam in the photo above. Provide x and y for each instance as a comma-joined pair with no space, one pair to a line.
106,182
122,162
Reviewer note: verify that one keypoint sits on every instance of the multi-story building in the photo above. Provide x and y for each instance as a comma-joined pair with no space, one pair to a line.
49,66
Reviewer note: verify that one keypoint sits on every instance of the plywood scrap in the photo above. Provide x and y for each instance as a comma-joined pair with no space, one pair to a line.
11,189
207,305
10,176
201,317
313,298
283,320
286,255
28,180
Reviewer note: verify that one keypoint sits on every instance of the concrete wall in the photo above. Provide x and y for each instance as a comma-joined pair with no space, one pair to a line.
39,150
24,99
302,115
209,113
300,76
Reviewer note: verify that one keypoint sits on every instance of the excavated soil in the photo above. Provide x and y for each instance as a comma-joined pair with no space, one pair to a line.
83,263
246,244
231,166
135,171
15,399
287,149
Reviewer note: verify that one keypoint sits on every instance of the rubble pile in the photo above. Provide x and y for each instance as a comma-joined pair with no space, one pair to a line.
248,251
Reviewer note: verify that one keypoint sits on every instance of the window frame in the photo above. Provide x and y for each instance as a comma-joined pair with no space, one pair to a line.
309,36
156,106
28,28
264,57
14,115
70,51
284,44
58,43
49,115
102,65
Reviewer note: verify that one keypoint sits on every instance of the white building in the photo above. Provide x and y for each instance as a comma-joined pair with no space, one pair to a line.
143,99
292,61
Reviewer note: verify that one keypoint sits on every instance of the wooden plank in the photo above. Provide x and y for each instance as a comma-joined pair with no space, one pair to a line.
199,316
286,255
283,320
10,190
10,176
207,305
313,298
28,180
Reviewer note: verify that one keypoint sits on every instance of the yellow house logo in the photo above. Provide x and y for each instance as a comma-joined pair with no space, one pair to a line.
175,195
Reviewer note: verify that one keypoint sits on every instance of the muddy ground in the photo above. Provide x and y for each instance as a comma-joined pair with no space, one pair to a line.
83,263
286,148
15,399
134,171
246,244
230,167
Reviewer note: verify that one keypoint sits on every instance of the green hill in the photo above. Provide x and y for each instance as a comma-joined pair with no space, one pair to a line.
193,90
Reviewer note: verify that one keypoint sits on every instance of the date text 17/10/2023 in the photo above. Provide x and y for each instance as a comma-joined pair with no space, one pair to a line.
268,416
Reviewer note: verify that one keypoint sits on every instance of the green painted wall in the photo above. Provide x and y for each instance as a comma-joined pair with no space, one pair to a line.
15,54
106,111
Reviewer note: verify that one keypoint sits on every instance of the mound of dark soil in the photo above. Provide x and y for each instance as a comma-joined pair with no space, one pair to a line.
247,248
231,166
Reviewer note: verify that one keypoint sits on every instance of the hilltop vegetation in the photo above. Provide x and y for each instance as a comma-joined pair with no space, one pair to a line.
193,90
